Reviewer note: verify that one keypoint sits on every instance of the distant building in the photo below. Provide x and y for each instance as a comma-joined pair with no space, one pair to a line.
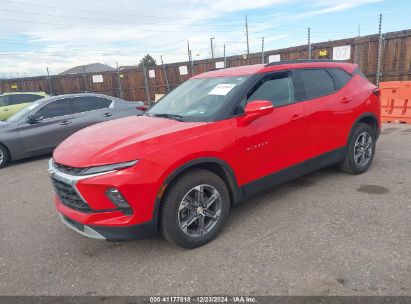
89,68
128,67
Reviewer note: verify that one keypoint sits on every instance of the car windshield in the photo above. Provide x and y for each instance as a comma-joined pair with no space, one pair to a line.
23,112
197,99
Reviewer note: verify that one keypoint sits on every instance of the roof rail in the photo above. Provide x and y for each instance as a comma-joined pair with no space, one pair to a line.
302,61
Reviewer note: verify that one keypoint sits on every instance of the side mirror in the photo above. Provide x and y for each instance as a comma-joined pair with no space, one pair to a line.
256,109
34,118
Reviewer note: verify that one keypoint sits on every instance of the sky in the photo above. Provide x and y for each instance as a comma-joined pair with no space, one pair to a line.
36,34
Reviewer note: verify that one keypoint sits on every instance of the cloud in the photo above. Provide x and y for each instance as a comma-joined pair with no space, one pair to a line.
60,34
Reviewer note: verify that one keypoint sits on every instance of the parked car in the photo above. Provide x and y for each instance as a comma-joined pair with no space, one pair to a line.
39,127
140,105
11,103
219,138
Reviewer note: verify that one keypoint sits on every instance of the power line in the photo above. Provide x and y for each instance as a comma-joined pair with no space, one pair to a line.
111,21
111,13
111,26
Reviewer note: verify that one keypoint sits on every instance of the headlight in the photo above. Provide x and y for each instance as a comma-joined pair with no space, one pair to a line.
107,168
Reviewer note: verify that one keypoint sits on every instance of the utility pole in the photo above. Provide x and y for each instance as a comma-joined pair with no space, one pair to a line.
120,87
212,47
246,34
225,58
192,63
262,51
85,79
165,74
49,81
379,56
188,49
146,85
309,43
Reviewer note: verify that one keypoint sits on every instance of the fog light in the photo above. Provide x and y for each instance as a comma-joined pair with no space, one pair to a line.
118,199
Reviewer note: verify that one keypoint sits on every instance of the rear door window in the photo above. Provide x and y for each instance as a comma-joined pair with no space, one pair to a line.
85,104
277,88
316,83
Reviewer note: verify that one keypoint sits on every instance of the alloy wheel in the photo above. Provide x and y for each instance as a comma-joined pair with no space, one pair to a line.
363,149
199,210
1,156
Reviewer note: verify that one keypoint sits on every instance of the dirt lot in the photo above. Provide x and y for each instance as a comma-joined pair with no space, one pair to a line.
324,234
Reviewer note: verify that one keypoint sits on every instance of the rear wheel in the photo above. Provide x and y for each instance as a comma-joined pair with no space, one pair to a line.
4,156
195,209
361,150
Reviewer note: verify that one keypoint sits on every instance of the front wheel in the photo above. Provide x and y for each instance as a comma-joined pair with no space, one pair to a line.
360,151
4,156
194,209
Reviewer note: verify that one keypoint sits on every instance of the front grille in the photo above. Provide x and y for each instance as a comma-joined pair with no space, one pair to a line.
68,170
69,196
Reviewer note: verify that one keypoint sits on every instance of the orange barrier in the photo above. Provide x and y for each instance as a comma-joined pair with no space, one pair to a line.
396,101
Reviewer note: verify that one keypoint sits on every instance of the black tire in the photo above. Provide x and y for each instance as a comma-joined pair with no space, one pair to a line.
349,164
171,217
4,156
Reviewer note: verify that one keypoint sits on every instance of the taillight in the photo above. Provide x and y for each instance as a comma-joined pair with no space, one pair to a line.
141,108
376,92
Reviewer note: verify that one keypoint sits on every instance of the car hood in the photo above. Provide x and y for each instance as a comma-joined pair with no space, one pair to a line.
122,140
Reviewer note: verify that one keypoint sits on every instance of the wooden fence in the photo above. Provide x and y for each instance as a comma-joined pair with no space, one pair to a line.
396,65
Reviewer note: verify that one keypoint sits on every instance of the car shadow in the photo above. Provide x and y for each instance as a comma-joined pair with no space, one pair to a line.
29,160
273,197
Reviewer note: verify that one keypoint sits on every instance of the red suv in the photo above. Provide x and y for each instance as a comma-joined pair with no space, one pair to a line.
214,141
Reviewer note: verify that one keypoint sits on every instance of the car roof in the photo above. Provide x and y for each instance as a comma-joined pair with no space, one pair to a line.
83,95
19,93
277,66
51,98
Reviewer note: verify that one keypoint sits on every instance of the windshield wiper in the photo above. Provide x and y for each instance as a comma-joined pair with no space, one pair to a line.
171,116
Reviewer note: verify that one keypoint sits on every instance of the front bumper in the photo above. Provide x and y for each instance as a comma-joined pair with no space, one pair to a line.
84,199
122,233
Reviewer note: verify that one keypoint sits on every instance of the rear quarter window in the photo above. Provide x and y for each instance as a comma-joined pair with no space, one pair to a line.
358,71
340,77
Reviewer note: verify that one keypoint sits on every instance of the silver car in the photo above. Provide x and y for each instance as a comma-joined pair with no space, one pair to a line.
42,125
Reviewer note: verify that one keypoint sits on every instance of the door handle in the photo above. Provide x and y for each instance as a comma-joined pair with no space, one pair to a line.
65,123
107,114
346,99
297,116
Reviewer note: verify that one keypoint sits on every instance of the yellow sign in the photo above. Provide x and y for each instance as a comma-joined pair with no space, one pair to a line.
323,53
14,86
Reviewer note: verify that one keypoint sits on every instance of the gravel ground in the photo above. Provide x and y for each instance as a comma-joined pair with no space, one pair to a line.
326,233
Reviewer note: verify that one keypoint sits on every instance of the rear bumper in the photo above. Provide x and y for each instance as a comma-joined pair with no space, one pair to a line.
113,233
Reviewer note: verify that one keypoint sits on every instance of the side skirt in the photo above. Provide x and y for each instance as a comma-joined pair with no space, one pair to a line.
324,160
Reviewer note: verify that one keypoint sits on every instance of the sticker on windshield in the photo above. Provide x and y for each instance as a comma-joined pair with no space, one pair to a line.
222,89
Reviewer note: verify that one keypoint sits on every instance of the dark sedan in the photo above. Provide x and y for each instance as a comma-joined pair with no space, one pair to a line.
42,125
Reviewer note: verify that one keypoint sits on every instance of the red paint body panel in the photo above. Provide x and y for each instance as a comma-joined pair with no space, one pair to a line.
122,140
287,136
271,143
